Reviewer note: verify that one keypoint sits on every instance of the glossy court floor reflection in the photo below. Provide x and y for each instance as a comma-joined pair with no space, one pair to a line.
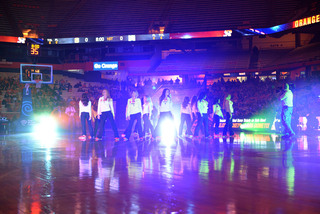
251,173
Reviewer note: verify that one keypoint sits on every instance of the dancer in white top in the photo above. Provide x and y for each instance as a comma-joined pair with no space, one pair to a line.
133,113
194,109
186,116
228,104
203,115
85,115
106,111
147,111
165,107
217,114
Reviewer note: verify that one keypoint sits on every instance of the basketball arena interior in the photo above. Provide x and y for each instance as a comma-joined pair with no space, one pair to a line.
148,106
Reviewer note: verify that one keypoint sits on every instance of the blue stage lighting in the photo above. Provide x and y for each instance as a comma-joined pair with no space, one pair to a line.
45,129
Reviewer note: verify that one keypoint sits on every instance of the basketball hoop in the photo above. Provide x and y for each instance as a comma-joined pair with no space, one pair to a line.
38,83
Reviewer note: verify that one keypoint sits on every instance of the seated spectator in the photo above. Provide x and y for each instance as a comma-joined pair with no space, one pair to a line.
177,81
4,102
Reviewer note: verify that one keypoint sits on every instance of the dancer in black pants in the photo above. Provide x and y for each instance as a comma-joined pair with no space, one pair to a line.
217,114
202,116
106,111
95,119
194,109
85,115
186,117
228,104
165,107
133,113
147,112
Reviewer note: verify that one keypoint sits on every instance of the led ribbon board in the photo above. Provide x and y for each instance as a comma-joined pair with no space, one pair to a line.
279,28
141,37
165,36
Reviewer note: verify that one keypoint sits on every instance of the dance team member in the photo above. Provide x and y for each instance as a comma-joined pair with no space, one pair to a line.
95,118
147,108
186,117
217,114
203,115
106,111
165,107
228,104
194,109
133,113
85,115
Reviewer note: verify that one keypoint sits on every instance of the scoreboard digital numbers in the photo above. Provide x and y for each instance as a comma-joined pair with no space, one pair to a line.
33,49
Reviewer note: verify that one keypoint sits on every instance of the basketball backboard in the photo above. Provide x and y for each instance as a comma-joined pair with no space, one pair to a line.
33,73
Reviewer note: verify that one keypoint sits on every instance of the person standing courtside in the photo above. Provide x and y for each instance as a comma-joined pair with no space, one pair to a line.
202,115
147,112
217,114
229,112
165,107
85,115
287,105
194,109
133,112
186,117
106,111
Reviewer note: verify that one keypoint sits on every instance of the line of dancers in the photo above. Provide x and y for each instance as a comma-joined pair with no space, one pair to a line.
137,111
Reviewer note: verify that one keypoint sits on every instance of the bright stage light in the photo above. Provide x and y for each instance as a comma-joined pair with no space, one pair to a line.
168,132
186,37
45,129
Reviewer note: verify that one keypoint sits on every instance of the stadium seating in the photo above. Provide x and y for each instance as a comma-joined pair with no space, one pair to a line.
270,57
205,61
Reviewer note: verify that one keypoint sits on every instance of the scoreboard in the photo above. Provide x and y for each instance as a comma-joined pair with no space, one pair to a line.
124,38
139,37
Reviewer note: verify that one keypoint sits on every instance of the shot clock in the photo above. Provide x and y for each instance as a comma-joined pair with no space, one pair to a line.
33,49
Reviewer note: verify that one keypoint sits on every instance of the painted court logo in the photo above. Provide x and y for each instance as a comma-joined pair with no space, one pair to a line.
26,108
